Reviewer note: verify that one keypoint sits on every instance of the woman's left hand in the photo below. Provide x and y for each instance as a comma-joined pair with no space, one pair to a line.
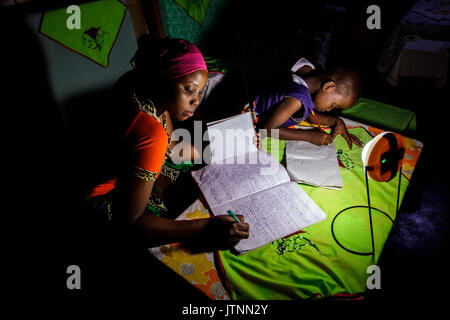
340,128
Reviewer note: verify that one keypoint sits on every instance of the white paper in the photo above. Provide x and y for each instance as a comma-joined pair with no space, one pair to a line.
221,183
273,213
271,204
253,183
314,165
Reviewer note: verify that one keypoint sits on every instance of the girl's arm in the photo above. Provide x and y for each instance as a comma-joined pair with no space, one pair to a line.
282,113
129,206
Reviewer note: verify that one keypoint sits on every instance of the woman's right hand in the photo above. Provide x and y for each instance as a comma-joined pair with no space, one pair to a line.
232,231
221,232
319,138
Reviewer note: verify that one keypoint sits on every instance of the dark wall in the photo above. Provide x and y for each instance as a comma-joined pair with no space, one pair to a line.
262,39
354,42
51,100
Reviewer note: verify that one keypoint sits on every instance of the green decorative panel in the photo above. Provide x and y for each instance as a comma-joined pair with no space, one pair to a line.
178,22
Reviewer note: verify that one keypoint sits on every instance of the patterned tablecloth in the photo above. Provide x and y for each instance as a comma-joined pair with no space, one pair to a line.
198,269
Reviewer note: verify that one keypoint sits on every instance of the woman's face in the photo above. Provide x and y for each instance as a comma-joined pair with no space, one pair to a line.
186,95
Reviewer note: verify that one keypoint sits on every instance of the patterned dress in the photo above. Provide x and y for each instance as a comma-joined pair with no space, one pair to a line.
147,156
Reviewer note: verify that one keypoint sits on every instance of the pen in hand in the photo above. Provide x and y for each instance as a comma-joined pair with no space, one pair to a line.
231,213
317,121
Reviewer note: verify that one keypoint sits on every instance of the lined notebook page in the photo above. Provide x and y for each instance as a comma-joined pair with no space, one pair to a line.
314,165
221,183
273,213
271,204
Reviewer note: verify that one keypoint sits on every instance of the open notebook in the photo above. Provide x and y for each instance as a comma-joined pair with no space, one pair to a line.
256,185
231,137
313,165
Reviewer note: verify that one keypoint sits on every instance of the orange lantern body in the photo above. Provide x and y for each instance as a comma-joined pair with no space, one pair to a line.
383,156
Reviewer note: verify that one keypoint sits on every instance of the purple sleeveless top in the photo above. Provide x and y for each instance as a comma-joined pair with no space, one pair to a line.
265,101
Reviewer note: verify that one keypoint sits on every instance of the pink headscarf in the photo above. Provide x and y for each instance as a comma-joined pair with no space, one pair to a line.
187,63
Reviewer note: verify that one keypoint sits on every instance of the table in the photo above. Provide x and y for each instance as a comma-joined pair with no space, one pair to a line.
422,58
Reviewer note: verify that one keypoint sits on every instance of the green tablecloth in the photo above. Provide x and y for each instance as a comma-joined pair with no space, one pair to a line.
312,264
382,115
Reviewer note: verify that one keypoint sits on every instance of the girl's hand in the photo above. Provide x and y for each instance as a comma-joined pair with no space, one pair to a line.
257,140
340,128
319,138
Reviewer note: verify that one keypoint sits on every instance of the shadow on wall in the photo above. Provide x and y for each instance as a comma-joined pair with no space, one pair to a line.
29,111
35,169
48,161
93,134
35,118
73,125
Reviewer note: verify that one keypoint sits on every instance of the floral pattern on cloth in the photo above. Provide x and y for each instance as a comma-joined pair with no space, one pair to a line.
198,269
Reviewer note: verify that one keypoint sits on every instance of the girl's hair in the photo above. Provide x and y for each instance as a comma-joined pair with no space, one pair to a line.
348,81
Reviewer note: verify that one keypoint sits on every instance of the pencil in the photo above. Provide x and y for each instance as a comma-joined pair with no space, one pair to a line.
253,111
231,213
317,120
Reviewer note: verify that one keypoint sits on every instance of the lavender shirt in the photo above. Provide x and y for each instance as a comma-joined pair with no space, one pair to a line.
265,101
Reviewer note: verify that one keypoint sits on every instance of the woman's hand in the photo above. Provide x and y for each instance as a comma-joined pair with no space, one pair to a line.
221,232
340,128
226,231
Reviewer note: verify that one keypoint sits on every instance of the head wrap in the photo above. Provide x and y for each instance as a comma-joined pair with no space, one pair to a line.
188,62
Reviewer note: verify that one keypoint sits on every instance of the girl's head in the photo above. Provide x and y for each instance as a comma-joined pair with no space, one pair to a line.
340,88
173,71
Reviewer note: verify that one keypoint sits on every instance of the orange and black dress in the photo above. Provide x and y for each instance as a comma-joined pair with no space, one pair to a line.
145,155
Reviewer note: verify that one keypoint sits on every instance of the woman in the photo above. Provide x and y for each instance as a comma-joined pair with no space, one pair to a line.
165,85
